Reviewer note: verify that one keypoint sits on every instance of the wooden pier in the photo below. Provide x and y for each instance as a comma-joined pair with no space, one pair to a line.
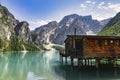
101,49
88,62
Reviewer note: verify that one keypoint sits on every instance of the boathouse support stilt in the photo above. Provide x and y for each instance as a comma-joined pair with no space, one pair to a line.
91,62
62,60
82,62
88,63
85,62
72,61
78,62
66,59
114,62
97,63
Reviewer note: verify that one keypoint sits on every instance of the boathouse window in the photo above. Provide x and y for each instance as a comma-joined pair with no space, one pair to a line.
99,43
111,43
118,43
106,42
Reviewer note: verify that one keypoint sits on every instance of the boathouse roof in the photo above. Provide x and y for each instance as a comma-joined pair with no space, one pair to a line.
92,36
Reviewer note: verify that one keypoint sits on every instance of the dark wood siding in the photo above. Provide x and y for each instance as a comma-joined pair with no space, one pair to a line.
93,46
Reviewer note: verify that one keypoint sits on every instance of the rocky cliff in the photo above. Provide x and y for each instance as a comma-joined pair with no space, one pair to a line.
45,33
7,23
22,30
14,35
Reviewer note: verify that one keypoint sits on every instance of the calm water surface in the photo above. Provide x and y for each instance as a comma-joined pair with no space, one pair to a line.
45,65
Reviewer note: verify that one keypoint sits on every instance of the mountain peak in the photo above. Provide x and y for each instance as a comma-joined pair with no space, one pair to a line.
88,17
69,18
52,23
5,11
72,15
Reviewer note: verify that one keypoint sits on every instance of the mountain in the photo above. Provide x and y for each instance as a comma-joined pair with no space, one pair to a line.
14,35
112,28
22,30
105,21
45,33
67,26
7,23
56,33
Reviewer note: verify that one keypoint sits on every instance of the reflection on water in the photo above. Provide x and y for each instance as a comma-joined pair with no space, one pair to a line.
46,66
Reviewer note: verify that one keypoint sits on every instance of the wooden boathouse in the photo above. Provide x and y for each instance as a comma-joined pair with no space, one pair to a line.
87,47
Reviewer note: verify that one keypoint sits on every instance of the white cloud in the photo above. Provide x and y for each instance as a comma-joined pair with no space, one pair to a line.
93,2
82,5
109,3
109,6
101,4
100,16
41,22
37,23
98,11
115,7
88,1
102,10
106,10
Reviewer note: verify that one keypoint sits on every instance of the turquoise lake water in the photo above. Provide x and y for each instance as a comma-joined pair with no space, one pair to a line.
45,65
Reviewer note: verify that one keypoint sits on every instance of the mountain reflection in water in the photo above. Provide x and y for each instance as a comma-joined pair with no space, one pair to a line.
45,65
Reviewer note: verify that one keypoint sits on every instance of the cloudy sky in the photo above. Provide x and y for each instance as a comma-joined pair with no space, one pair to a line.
39,12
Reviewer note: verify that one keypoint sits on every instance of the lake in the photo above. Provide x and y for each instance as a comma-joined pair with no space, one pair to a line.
45,65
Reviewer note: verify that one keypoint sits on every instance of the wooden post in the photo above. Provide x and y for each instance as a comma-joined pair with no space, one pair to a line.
74,39
85,61
81,62
66,59
74,42
72,61
114,62
62,59
91,62
88,62
97,63
60,55
78,62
